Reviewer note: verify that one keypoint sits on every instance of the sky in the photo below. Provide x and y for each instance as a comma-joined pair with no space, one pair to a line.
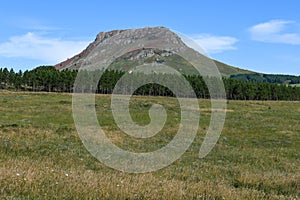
263,36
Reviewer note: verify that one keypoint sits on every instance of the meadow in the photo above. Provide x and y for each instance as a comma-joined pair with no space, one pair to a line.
42,157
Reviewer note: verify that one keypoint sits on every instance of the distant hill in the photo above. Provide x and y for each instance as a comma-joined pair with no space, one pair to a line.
268,78
139,56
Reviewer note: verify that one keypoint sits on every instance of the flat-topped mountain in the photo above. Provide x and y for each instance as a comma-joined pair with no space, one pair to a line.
137,56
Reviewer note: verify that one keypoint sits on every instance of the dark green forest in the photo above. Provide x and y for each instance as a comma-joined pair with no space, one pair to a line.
48,79
268,78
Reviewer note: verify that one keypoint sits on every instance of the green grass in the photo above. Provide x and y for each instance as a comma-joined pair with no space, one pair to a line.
295,85
42,157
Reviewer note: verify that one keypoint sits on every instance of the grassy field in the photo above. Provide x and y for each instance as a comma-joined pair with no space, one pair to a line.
42,157
296,85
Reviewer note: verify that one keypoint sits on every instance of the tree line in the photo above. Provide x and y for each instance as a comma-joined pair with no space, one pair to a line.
44,78
268,78
48,79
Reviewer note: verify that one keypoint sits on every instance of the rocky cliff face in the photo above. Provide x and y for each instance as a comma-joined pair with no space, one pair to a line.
127,37
76,61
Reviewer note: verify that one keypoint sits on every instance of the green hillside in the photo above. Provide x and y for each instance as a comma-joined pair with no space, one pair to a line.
131,60
228,70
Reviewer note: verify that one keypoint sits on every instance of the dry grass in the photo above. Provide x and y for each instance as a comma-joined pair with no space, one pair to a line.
26,178
42,157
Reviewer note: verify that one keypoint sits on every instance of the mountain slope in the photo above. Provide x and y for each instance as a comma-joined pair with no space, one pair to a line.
144,55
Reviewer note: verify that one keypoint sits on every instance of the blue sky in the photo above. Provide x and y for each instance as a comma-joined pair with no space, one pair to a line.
263,36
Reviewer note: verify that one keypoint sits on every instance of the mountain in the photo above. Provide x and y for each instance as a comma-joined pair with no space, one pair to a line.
142,55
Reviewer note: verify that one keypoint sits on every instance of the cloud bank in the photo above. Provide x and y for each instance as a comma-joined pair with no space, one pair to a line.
40,47
212,44
274,31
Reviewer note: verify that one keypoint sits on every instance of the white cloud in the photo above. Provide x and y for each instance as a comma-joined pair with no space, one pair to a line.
273,31
212,44
39,47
